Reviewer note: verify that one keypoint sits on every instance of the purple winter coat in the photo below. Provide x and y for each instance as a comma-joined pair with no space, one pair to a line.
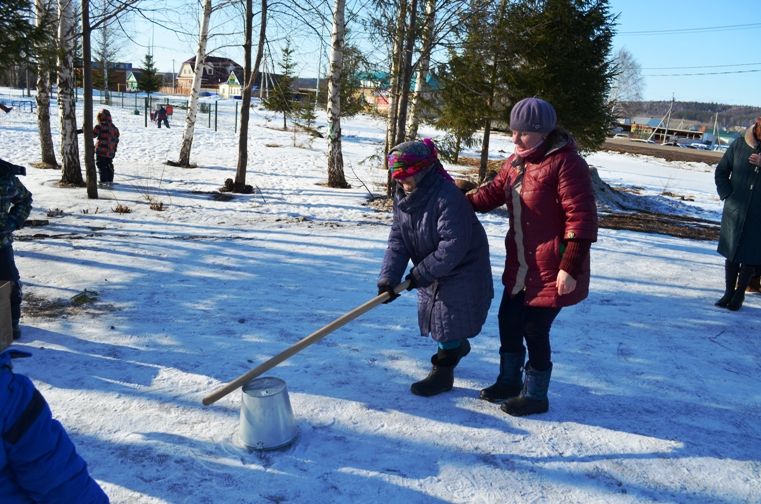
436,227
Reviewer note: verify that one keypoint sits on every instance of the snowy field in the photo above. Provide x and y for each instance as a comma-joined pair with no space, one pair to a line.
655,394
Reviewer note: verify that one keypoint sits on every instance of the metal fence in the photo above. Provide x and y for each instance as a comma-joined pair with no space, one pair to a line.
213,113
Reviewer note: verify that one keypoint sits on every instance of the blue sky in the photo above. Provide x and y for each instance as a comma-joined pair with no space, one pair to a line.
701,50
676,41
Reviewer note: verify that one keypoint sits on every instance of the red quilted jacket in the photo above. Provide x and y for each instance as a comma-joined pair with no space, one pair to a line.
550,199
106,136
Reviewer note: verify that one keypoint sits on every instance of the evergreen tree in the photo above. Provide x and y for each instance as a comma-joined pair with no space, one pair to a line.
472,81
306,114
352,66
281,96
149,81
20,35
563,49
462,104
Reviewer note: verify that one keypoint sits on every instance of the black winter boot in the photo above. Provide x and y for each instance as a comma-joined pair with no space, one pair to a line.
731,269
533,398
746,272
441,377
509,381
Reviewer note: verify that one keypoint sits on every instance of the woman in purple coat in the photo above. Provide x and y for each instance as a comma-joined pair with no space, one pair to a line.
436,228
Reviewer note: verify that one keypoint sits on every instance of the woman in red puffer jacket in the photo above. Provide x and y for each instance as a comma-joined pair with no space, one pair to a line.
547,188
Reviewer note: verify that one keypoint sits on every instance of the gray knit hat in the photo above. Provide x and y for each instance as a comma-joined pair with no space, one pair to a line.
533,114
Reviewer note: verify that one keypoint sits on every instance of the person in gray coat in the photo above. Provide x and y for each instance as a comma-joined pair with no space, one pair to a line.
737,179
436,228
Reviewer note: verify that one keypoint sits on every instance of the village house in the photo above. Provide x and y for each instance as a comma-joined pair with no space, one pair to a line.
217,72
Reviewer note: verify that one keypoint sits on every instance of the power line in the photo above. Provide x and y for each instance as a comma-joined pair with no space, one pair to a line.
704,29
701,66
703,73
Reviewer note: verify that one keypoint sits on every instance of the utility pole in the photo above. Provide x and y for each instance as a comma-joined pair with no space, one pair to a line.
319,66
668,120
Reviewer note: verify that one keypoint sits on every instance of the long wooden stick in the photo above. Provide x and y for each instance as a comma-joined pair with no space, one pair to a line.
301,344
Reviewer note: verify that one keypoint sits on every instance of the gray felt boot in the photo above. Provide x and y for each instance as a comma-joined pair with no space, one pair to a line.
533,398
509,381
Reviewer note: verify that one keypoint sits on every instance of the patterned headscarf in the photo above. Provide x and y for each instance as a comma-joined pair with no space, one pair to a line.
409,158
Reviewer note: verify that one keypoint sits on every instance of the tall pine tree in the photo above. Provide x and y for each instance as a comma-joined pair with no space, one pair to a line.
149,80
563,48
281,96
20,34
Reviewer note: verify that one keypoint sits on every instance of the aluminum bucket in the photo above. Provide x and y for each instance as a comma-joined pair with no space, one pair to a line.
266,417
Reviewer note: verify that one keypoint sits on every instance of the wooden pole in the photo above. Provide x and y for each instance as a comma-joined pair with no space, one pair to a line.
300,345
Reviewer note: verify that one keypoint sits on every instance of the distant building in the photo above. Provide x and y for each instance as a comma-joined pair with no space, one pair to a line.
216,72
133,77
233,87
374,88
655,129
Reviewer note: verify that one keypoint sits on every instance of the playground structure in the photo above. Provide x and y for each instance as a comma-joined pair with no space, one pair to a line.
24,105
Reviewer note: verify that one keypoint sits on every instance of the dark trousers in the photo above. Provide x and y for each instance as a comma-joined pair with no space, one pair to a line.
518,322
164,120
105,168
9,272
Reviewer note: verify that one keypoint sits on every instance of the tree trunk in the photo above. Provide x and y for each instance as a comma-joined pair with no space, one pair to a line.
47,150
90,171
406,74
335,153
190,118
249,78
393,92
484,164
422,70
106,92
71,171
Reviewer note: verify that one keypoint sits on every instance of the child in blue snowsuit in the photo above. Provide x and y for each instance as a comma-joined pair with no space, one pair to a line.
38,461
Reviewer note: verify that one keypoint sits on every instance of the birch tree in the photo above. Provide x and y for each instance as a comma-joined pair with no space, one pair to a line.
108,45
405,72
393,91
190,118
91,174
45,63
335,155
422,69
71,171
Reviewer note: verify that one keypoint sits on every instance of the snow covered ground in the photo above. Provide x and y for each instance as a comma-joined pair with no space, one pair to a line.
655,394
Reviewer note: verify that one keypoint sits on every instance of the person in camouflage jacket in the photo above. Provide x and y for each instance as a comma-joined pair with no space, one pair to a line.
15,206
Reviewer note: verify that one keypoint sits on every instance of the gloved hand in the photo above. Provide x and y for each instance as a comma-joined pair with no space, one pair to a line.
390,289
413,283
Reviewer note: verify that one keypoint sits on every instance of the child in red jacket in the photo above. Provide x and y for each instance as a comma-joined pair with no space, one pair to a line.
106,137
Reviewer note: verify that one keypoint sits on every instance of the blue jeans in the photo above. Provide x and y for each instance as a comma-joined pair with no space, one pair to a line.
9,272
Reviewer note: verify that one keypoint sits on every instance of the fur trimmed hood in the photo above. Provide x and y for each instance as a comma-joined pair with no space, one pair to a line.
750,138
